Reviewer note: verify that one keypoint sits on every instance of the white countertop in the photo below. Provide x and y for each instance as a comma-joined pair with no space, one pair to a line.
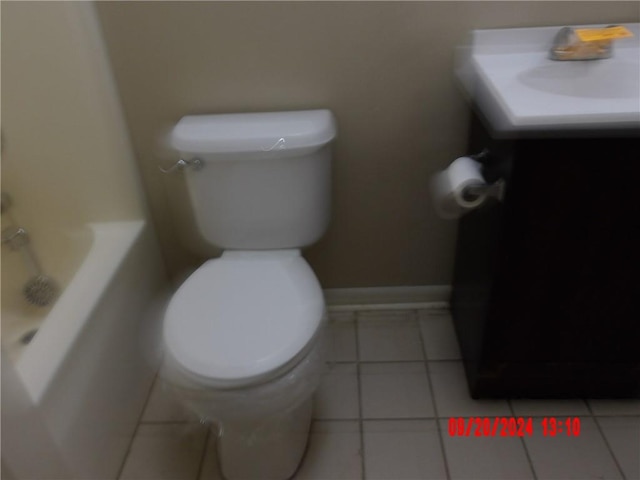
509,75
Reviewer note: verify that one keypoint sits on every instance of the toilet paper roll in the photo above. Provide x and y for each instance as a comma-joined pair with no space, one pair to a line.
448,188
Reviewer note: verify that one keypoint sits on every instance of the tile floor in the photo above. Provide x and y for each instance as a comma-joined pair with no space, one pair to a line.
382,412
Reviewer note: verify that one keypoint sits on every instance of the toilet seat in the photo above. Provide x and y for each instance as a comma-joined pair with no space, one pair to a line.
242,318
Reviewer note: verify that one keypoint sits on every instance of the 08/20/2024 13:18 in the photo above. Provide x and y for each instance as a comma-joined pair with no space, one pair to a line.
513,426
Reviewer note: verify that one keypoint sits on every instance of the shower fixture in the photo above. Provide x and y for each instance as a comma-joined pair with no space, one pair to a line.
40,290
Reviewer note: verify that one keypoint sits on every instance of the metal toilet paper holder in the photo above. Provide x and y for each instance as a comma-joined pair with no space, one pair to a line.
494,189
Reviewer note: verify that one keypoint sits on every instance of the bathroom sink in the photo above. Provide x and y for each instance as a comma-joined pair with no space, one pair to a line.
508,75
589,79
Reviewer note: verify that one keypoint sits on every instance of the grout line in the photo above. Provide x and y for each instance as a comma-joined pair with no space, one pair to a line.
345,420
436,306
356,320
439,417
628,415
435,406
138,423
171,422
606,442
524,444
417,360
397,419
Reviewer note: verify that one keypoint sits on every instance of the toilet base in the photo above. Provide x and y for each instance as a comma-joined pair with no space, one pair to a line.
263,429
266,448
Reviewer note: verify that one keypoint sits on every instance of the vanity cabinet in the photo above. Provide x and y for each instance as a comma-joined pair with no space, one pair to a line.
546,290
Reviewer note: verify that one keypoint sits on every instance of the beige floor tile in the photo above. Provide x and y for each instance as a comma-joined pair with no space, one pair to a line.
165,452
164,406
388,336
402,450
333,452
395,390
337,397
623,436
531,407
452,395
615,407
485,457
342,337
566,457
438,335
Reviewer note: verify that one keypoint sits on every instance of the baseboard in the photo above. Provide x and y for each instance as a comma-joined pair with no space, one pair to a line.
434,297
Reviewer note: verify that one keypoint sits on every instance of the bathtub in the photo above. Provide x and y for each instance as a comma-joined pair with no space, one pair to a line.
91,363
61,255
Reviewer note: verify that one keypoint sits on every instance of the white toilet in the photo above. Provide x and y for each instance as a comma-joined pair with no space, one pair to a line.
243,334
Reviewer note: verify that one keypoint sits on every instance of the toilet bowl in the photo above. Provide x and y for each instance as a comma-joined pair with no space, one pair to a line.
244,348
243,321
243,336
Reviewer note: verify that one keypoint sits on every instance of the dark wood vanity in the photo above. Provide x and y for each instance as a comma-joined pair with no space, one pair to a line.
546,291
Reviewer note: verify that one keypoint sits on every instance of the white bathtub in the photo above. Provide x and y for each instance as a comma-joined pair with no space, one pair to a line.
61,254
90,365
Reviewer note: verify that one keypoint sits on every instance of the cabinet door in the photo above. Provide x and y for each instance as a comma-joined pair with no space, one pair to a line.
568,281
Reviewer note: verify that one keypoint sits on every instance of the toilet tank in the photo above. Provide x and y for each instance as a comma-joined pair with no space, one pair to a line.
265,180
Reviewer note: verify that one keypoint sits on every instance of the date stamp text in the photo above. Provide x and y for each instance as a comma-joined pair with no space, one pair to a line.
513,426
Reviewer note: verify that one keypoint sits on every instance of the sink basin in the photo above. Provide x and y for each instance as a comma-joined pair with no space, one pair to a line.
508,75
609,78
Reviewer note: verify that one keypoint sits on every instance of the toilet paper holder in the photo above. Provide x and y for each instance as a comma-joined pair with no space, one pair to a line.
494,189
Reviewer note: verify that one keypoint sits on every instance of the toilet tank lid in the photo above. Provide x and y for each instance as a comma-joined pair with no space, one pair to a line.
253,132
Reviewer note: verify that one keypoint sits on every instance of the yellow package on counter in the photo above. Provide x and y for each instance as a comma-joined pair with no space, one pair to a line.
599,34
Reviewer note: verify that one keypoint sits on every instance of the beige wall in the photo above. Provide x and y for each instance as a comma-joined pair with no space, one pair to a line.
385,69
66,156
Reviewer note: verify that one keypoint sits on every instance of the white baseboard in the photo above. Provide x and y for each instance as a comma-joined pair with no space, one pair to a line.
434,297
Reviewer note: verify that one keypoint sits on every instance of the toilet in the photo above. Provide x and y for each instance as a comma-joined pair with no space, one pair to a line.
243,335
